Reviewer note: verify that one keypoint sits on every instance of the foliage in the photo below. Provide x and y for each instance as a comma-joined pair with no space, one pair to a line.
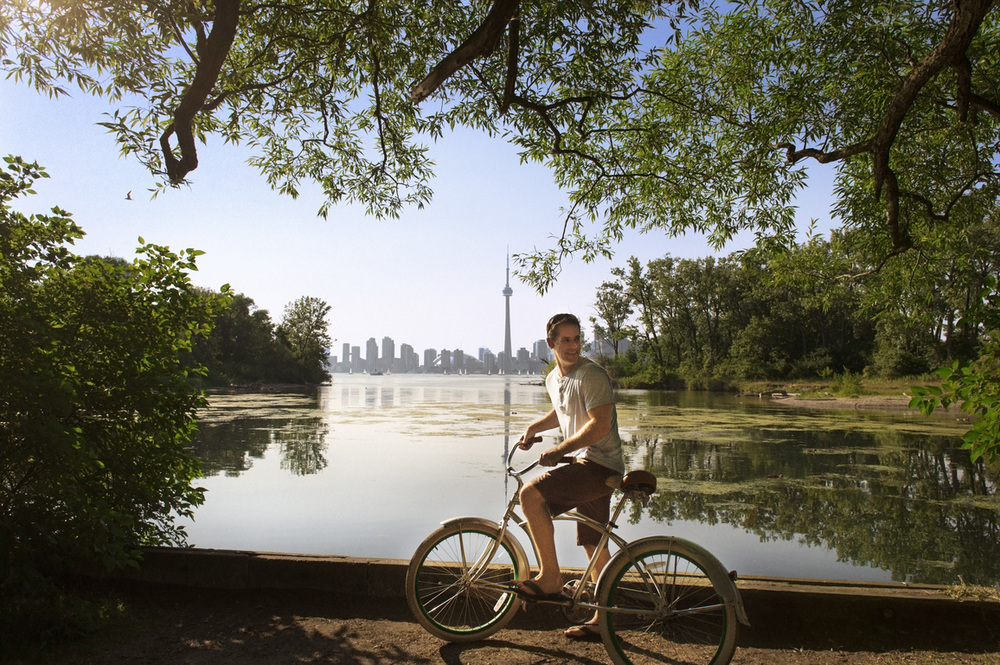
613,310
743,317
245,347
242,348
661,115
963,591
98,410
974,386
811,310
304,331
847,384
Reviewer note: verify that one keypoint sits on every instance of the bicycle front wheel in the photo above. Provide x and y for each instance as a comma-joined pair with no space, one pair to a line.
458,584
666,604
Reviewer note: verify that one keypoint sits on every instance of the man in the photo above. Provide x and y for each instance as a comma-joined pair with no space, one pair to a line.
584,409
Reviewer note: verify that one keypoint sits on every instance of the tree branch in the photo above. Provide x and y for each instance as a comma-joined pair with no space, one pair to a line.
951,51
513,48
212,51
792,155
480,43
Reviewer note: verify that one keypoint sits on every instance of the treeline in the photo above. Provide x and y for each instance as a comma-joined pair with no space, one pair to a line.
246,347
803,313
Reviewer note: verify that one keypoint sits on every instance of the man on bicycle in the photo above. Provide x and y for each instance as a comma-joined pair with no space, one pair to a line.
583,408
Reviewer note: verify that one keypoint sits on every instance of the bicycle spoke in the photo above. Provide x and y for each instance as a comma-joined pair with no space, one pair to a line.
460,583
665,609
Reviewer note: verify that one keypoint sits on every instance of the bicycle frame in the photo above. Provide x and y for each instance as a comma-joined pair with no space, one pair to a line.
606,530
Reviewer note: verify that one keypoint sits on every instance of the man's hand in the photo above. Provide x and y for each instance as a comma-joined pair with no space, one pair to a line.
528,440
551,457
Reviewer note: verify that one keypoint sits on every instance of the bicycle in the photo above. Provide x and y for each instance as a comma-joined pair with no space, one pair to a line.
659,599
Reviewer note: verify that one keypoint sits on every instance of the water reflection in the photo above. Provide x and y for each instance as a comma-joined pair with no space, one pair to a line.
766,488
915,506
241,428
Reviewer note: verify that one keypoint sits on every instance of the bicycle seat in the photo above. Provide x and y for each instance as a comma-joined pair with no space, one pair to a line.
642,481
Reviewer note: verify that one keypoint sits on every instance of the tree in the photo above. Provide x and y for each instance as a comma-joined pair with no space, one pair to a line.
304,330
973,386
97,408
613,310
707,126
243,346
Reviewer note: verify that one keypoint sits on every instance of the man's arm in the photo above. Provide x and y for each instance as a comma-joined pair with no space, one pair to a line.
598,425
545,423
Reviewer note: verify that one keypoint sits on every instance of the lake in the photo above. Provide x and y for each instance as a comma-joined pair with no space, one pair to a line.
370,465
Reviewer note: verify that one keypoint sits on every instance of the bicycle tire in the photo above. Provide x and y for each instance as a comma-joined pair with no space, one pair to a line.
684,592
451,599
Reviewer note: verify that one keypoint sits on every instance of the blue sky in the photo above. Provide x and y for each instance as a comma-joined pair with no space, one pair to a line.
432,278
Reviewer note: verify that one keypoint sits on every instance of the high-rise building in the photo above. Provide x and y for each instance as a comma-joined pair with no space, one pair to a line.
388,353
541,350
408,359
371,354
429,356
505,362
489,362
523,358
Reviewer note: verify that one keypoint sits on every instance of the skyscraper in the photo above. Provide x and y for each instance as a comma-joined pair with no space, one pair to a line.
507,293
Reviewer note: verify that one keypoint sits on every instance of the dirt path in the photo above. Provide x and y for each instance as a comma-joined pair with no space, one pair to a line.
173,626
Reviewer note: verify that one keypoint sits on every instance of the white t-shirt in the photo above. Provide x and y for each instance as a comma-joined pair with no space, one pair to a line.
586,386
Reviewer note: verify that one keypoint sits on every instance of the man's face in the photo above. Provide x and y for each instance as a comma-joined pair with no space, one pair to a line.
566,344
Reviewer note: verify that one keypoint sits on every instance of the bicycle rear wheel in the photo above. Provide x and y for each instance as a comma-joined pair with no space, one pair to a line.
456,590
666,605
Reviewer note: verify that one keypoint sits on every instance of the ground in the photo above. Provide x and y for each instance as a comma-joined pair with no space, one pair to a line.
175,626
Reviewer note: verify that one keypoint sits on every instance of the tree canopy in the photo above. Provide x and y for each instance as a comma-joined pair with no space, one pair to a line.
653,115
245,347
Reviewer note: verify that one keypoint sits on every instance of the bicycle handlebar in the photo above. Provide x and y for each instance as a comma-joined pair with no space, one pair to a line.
569,459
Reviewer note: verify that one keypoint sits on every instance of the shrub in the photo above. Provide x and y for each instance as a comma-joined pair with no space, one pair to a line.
97,409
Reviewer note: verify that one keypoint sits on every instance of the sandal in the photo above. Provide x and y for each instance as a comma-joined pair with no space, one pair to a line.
530,591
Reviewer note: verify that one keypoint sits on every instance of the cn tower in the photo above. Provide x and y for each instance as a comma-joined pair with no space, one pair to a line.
507,293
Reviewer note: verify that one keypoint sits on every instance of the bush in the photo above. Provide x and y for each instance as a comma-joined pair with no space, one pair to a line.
97,409
847,384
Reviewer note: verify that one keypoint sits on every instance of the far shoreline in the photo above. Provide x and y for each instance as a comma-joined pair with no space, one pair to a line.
858,403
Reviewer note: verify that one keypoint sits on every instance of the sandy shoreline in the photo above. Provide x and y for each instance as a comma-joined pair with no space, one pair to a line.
863,403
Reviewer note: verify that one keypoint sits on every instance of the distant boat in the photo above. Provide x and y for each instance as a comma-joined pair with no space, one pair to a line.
375,372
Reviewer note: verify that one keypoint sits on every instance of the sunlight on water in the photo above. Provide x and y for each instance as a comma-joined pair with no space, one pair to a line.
368,466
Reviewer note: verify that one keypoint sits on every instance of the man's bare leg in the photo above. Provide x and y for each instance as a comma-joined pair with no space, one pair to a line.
602,560
549,577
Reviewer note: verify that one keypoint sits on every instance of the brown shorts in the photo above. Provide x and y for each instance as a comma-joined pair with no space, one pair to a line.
580,485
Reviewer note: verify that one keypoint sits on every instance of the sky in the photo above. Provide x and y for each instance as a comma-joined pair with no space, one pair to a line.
432,278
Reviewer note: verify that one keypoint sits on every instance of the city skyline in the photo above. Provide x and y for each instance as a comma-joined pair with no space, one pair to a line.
373,357
424,277
443,359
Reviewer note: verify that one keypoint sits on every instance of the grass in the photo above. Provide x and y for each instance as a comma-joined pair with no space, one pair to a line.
846,385
965,591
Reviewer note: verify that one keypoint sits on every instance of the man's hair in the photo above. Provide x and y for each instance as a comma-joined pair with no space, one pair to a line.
553,325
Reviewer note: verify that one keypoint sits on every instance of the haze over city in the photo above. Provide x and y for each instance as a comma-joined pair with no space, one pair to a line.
431,279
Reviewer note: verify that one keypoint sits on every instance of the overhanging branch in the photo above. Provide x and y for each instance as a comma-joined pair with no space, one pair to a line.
481,42
212,53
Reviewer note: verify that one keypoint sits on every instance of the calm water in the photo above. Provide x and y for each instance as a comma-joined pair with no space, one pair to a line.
369,466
